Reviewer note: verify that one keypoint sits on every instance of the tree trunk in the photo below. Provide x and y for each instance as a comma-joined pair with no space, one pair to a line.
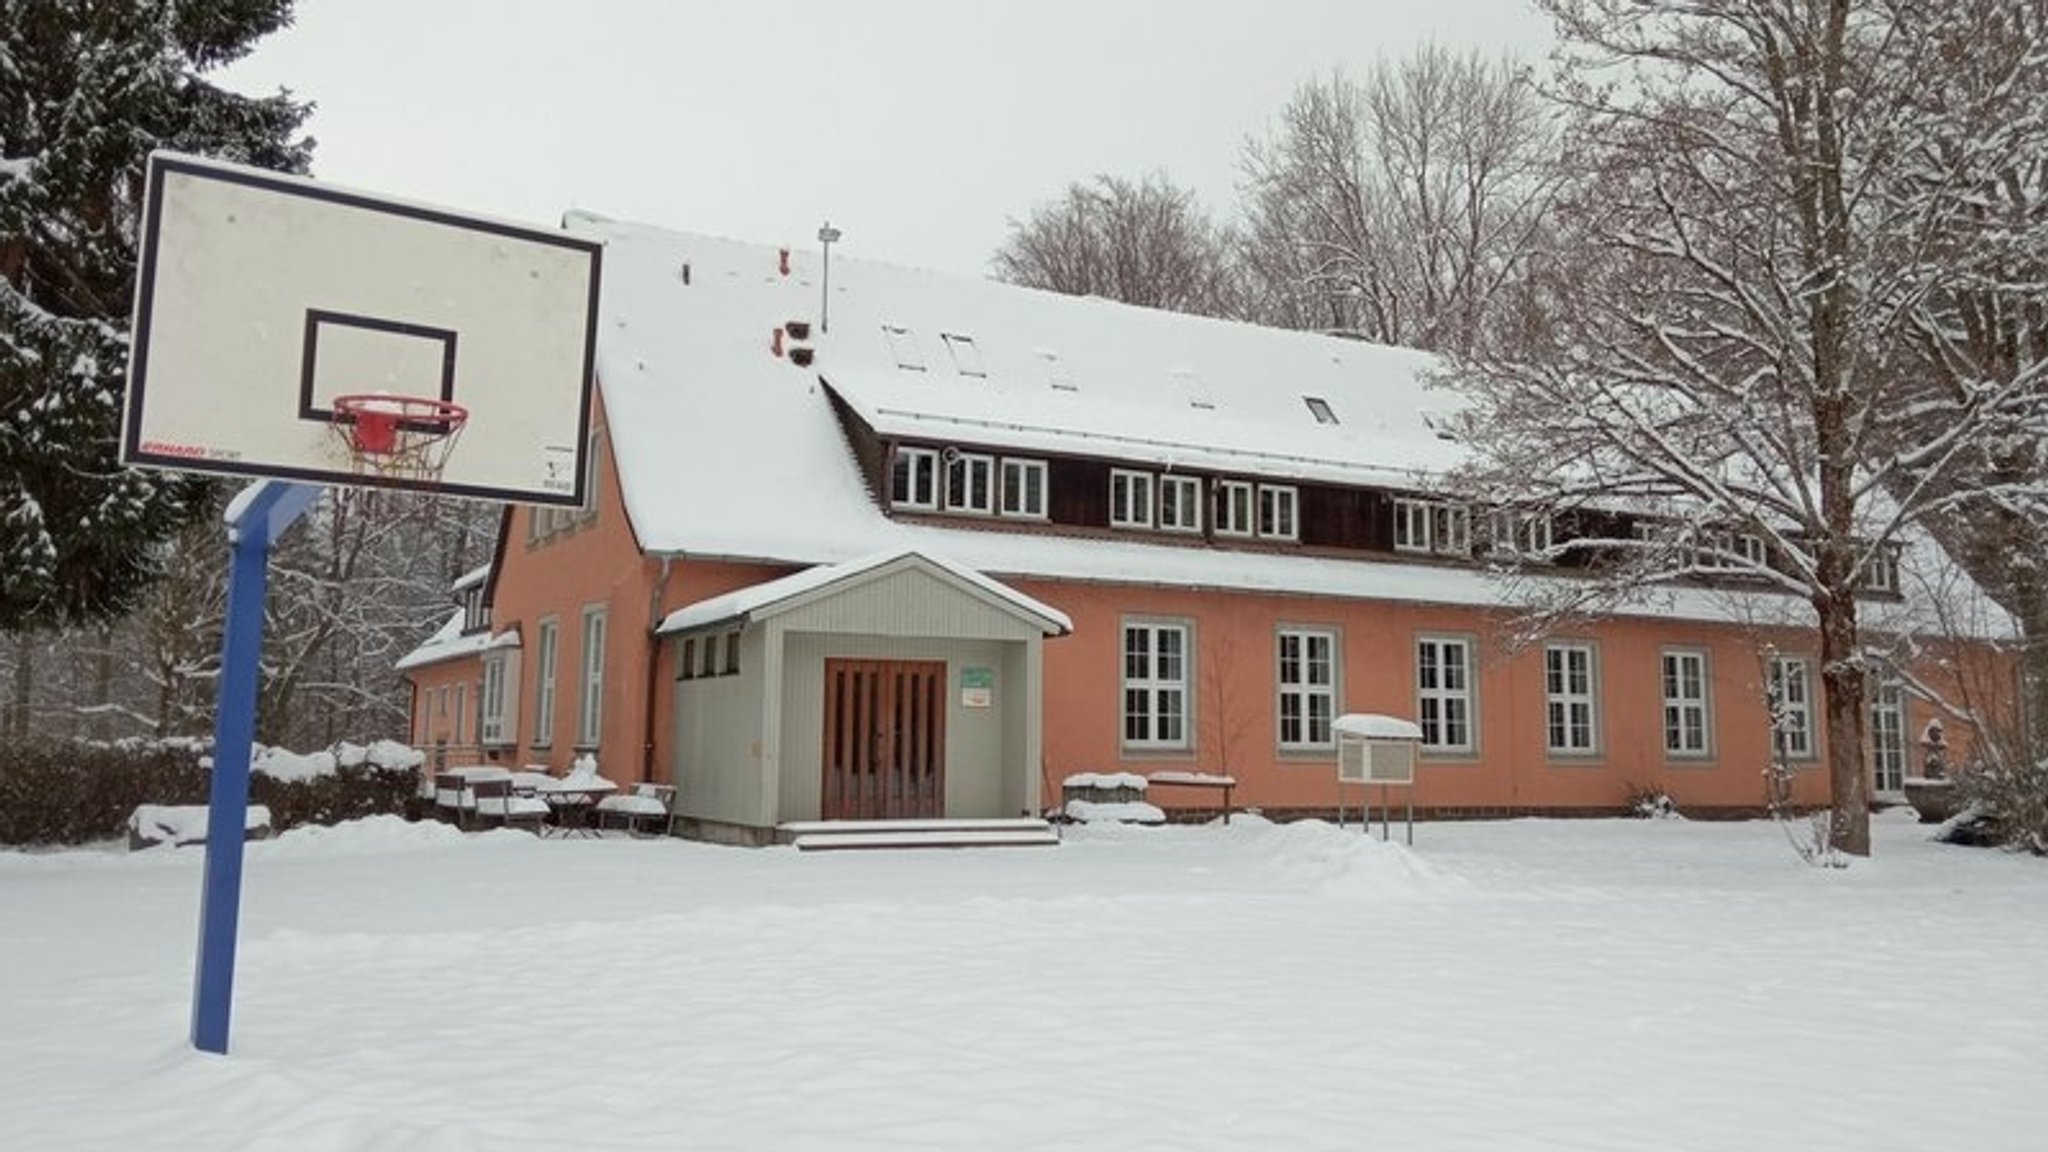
1842,678
24,685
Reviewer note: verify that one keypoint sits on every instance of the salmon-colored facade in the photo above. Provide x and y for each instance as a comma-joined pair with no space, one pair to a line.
556,570
1216,570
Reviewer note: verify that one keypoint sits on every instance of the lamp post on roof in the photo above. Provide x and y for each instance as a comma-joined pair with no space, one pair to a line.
827,236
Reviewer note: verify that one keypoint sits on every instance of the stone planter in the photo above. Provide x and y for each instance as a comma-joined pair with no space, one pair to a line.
1934,800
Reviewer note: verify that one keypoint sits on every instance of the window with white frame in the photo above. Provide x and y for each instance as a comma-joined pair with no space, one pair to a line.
1180,504
1155,684
1233,508
497,703
1130,499
1412,521
1790,694
590,712
1750,548
547,645
1570,703
1443,692
1685,704
1276,512
914,478
1887,735
1525,534
1451,530
1023,488
971,483
1881,572
1307,681
461,713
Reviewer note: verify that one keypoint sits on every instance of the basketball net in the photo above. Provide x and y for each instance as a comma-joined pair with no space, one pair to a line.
398,437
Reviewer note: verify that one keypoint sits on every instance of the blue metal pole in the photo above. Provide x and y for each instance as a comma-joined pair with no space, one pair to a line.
260,516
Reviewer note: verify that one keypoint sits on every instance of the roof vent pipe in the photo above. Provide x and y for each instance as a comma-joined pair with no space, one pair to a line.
775,342
782,260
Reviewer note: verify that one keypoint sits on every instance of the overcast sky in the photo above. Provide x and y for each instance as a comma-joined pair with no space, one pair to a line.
919,127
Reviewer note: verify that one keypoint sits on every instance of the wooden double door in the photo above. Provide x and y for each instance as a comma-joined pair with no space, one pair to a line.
885,740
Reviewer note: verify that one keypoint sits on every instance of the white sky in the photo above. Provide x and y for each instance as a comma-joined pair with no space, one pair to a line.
919,127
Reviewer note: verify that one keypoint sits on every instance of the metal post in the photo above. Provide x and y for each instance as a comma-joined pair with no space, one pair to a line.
263,511
827,236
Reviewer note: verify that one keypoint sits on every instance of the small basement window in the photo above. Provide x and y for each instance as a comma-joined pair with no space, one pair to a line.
966,357
903,346
1321,409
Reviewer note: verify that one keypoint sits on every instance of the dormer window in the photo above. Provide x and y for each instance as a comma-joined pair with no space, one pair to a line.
1881,572
1428,526
903,346
914,479
475,616
1130,499
966,357
1320,409
970,482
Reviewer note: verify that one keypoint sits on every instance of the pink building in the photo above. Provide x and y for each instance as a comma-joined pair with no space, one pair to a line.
928,546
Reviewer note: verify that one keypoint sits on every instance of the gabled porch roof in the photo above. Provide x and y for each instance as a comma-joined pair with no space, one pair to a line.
793,591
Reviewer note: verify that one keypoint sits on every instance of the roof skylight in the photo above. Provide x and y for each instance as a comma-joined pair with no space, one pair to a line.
966,357
903,346
1056,372
1320,407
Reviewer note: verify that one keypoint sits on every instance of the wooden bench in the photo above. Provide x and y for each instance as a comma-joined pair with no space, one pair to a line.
1204,780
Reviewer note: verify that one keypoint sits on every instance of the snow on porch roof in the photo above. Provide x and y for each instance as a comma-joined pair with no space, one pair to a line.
777,595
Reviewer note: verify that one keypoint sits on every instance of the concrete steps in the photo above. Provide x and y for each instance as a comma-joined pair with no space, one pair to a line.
845,835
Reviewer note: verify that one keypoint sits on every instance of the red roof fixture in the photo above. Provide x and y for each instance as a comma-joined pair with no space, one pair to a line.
775,342
782,260
798,329
801,356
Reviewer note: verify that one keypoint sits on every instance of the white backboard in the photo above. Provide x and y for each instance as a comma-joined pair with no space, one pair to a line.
262,297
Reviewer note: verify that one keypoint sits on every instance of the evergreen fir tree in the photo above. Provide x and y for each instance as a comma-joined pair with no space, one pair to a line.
87,89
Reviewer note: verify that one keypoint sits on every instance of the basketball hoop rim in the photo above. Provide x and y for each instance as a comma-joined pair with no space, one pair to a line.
440,417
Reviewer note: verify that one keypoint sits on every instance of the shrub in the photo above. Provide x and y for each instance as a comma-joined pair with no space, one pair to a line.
2007,800
1651,803
55,792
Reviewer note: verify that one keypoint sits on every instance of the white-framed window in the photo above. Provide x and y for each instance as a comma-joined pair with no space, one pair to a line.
1887,734
1443,692
590,710
1307,684
971,483
1233,508
1412,522
1687,718
1024,488
547,645
1525,534
914,478
1155,684
498,702
1451,530
1130,499
1791,697
461,713
1749,547
1276,511
1570,700
1881,573
1180,504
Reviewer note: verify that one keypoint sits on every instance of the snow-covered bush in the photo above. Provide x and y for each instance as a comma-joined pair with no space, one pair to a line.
66,792
2007,802
1648,802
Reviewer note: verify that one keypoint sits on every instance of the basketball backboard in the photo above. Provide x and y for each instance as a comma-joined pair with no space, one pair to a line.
261,298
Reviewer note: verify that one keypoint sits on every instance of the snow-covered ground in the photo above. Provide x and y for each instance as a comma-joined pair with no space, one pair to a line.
1500,987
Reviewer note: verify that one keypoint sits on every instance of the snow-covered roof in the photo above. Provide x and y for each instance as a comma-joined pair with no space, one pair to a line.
775,595
697,403
448,643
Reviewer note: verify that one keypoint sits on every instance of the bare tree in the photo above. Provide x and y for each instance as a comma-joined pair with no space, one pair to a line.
1145,242
1402,207
1755,247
